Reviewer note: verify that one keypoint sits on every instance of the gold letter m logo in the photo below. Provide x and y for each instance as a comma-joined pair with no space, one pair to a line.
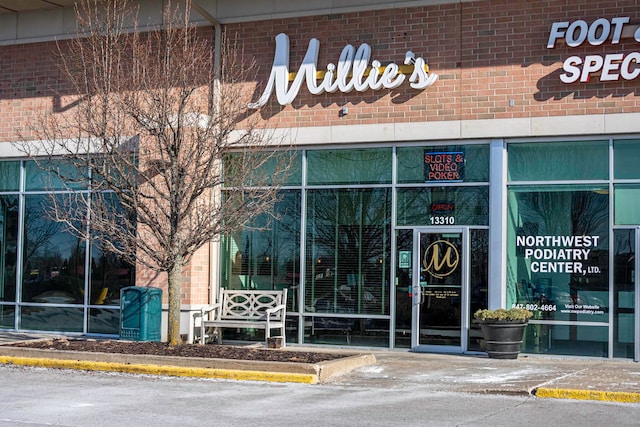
440,265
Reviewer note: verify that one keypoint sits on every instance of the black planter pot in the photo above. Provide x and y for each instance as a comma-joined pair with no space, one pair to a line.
503,339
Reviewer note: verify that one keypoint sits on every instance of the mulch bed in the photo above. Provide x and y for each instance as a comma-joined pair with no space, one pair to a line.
183,350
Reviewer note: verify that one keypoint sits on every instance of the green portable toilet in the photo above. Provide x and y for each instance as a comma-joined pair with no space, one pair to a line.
140,313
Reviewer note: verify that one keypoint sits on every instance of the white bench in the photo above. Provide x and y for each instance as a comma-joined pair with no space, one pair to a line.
245,309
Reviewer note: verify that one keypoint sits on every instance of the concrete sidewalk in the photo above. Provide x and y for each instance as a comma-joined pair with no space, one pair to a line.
544,377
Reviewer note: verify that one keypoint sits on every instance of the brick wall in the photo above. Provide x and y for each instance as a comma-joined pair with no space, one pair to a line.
195,278
491,57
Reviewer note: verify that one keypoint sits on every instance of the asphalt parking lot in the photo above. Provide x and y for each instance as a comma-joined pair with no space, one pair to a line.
554,377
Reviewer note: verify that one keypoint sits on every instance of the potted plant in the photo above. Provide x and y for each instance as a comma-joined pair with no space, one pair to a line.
502,330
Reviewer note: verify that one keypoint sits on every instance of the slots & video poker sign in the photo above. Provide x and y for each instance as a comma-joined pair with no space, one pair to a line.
444,166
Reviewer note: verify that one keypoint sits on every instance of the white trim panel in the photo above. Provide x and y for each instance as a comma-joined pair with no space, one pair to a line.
51,24
566,126
254,10
609,124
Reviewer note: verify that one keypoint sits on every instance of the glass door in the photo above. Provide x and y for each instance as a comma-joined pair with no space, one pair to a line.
439,290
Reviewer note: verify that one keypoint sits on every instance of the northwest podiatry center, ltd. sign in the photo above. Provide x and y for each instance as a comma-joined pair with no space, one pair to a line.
610,66
559,254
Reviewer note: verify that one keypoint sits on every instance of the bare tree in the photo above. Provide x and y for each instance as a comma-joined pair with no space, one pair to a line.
151,124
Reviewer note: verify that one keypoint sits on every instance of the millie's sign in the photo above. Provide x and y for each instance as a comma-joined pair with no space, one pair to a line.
352,72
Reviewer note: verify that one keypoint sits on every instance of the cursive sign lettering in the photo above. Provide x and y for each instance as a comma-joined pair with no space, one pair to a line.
352,72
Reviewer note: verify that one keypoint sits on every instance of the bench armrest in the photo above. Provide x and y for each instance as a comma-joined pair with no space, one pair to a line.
276,309
204,311
208,309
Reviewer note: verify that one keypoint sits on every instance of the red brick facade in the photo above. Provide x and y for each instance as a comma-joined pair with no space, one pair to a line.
491,57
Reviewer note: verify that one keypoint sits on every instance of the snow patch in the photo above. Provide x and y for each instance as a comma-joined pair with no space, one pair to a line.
495,378
372,369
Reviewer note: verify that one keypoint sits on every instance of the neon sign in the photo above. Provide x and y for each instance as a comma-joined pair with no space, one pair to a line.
352,72
444,166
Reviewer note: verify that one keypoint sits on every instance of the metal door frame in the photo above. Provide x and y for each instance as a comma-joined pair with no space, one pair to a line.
464,291
636,308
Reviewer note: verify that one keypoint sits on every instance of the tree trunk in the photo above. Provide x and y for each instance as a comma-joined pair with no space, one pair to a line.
175,302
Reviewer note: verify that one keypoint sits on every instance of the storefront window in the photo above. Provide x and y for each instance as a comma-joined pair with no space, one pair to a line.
46,318
448,163
266,253
263,168
109,274
7,316
478,283
624,278
53,260
55,293
403,287
9,176
342,331
8,247
557,263
443,206
52,175
569,340
559,161
349,166
625,159
103,321
348,247
626,199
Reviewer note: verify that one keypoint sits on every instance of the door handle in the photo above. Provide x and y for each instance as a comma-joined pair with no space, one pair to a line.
417,294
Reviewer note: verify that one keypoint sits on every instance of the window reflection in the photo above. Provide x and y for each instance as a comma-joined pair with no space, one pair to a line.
348,247
109,274
558,262
8,247
411,162
478,283
349,166
47,318
625,158
103,321
624,278
561,161
54,260
626,204
48,176
266,253
9,176
7,316
443,206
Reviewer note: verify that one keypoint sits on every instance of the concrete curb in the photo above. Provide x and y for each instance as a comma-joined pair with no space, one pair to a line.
177,371
608,396
186,366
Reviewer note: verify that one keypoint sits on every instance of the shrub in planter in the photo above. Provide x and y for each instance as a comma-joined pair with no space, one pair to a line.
502,314
503,330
